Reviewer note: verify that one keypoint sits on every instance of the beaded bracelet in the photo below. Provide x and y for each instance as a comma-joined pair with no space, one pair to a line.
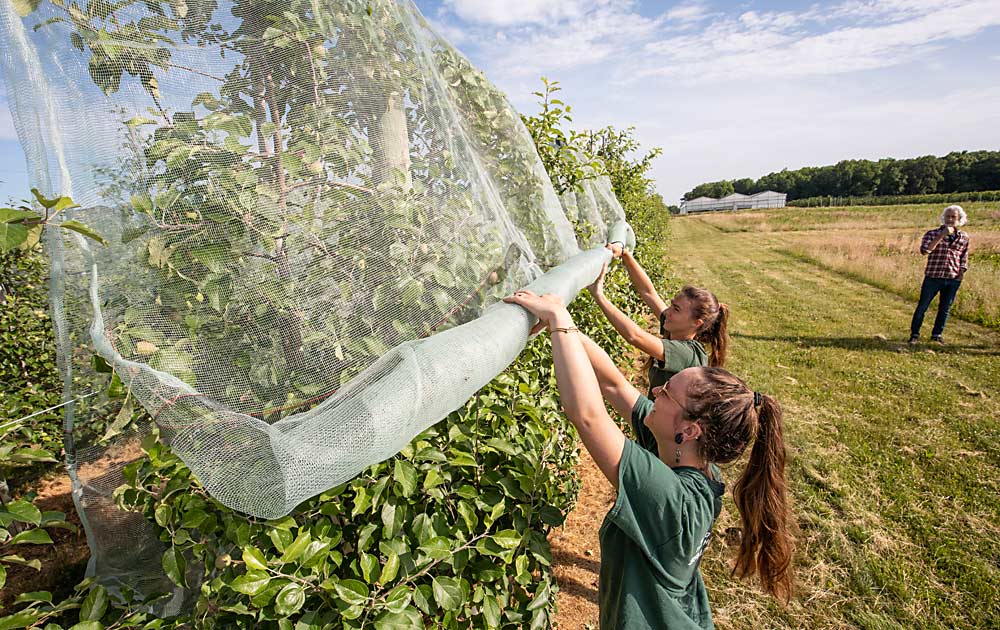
566,330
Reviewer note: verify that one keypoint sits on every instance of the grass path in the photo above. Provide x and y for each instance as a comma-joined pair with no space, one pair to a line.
895,452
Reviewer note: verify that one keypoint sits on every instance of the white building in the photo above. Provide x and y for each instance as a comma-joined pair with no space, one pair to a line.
735,201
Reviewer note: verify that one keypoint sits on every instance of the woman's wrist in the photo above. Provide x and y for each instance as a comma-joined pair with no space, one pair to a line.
561,320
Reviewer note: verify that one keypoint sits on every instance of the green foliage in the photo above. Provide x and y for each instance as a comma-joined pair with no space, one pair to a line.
457,519
28,363
644,208
565,153
21,227
957,172
21,523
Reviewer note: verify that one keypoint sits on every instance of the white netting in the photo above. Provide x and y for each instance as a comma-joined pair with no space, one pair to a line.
312,210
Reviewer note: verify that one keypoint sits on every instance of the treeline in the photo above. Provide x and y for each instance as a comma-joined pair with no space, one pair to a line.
959,171
897,200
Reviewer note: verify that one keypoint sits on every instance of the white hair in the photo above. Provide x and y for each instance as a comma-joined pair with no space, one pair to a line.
962,217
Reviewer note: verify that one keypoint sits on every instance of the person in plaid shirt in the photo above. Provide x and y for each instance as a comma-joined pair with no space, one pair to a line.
947,251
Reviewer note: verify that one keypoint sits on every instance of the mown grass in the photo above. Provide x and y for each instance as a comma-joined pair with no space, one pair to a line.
894,452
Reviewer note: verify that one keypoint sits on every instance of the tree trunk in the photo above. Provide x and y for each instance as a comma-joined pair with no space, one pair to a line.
391,144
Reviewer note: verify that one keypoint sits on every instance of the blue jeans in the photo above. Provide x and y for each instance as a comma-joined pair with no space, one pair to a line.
948,288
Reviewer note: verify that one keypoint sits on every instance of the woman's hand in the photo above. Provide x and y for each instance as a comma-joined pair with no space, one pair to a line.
549,308
597,288
617,249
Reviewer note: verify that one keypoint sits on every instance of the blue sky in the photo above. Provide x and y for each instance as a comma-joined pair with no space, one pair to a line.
732,89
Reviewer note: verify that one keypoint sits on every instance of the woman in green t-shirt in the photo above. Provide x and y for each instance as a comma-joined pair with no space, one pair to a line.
669,488
693,319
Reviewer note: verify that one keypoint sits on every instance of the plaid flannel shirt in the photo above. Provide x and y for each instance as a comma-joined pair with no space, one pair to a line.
951,256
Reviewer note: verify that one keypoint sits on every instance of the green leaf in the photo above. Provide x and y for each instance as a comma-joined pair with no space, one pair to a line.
389,569
80,228
88,625
294,550
162,515
285,523
34,563
3,575
508,539
405,475
193,518
315,553
44,201
174,565
368,564
250,583
491,610
438,548
289,600
406,619
422,528
22,619
12,235
432,479
254,558
100,365
541,597
139,120
34,596
95,605
447,593
398,598
122,418
10,215
142,203
423,598
25,512
31,537
352,592
116,389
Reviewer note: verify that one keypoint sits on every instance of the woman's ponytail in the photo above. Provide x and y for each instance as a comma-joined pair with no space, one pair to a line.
718,336
761,497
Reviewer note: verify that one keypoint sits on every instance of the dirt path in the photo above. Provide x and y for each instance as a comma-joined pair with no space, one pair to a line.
576,551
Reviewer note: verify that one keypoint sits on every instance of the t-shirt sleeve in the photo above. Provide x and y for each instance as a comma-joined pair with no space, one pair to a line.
642,408
652,505
678,355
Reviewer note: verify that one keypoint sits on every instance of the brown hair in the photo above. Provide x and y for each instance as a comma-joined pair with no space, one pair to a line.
714,329
725,408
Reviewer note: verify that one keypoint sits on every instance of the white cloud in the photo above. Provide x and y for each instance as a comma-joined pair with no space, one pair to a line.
687,13
519,12
604,30
778,45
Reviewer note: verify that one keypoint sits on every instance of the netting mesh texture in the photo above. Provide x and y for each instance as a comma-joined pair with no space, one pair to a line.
312,211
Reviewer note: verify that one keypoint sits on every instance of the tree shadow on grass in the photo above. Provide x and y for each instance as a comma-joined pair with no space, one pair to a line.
877,343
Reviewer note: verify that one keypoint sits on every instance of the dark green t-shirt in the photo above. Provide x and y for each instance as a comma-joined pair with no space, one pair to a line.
677,356
653,538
